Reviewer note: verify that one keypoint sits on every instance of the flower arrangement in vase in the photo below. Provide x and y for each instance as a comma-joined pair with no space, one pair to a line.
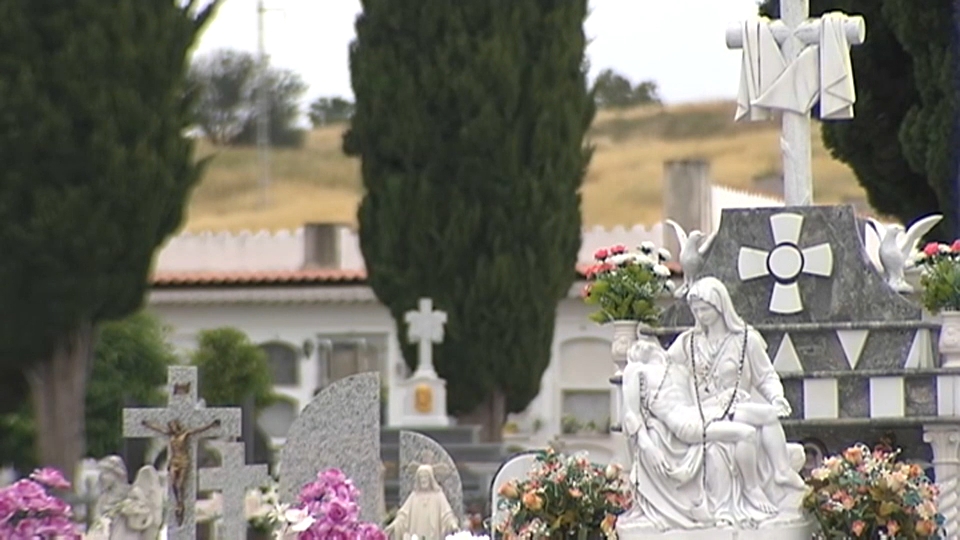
625,286
563,497
326,509
864,494
30,511
940,276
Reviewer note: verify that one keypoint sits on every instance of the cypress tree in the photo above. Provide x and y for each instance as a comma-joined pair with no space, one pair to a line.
96,170
879,143
470,121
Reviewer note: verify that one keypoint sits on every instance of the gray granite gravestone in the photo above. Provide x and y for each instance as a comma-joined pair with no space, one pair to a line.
182,408
848,347
233,479
339,428
417,449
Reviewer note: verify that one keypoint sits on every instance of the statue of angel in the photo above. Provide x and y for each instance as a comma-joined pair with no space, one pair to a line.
426,513
139,516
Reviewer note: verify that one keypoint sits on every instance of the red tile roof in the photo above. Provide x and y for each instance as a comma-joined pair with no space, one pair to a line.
282,277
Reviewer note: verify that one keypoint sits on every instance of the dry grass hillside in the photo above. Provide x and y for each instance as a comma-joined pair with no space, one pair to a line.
623,187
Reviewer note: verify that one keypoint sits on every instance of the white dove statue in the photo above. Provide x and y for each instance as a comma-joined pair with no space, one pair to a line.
897,247
693,246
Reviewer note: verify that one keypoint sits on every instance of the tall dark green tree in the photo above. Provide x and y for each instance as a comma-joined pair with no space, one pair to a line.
470,120
94,104
231,368
897,161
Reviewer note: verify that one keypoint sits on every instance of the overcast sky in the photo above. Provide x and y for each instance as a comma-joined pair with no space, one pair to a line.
678,44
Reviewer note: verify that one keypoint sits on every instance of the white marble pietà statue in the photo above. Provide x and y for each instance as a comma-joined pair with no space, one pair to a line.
702,421
426,512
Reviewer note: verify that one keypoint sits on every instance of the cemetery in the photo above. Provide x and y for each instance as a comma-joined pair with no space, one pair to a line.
748,369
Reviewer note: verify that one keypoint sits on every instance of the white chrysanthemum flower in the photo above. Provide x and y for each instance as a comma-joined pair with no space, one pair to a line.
664,254
620,259
661,270
648,247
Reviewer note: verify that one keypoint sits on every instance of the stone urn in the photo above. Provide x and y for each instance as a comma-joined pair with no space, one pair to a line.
624,334
949,343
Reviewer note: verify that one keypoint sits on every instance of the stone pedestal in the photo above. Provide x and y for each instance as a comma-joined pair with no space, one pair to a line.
944,440
423,401
788,531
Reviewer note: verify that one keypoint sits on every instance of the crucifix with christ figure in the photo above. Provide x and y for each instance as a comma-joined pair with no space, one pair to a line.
789,65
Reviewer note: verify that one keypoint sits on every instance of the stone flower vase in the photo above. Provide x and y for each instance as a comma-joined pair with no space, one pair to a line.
624,334
949,343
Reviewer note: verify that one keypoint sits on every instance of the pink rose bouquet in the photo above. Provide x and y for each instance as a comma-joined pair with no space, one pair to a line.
327,509
28,510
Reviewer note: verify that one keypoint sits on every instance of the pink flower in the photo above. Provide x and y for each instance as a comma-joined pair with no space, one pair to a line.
339,511
601,254
955,246
50,477
931,249
618,249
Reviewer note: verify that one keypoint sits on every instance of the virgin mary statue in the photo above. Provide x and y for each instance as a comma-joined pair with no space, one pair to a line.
703,420
426,512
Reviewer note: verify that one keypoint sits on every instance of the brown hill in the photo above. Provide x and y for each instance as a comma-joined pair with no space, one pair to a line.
623,186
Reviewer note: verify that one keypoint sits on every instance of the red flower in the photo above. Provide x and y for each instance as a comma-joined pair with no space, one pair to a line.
931,249
601,254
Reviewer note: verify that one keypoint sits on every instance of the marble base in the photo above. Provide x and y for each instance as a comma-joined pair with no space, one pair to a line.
779,531
424,402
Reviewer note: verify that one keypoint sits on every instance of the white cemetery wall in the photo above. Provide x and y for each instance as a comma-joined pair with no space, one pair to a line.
337,333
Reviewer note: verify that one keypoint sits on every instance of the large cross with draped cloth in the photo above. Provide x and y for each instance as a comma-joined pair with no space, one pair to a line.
788,65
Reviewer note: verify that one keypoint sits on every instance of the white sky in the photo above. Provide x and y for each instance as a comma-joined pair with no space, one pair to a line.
679,44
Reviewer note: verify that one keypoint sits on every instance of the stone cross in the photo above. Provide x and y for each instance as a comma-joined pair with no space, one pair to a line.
802,70
182,408
233,479
425,328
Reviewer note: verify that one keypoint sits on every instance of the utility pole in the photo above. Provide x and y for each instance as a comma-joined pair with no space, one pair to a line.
263,109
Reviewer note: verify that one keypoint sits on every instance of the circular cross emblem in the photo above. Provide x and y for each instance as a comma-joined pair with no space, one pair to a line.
785,262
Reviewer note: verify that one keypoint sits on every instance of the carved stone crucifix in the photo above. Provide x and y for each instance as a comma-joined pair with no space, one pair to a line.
425,328
233,479
788,65
181,424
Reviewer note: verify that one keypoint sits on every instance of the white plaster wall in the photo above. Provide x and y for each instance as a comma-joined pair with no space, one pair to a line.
287,323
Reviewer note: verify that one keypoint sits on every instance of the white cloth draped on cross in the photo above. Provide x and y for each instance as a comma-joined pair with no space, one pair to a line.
822,71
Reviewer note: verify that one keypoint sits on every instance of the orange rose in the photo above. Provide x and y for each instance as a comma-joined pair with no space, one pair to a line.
576,493
509,490
926,527
857,527
608,522
532,501
853,455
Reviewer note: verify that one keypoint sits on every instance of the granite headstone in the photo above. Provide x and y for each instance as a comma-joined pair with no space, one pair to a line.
233,479
339,428
417,449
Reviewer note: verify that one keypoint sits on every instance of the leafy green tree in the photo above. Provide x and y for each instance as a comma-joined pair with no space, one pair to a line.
470,121
94,106
613,90
897,161
130,360
325,111
227,110
226,103
284,91
231,368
